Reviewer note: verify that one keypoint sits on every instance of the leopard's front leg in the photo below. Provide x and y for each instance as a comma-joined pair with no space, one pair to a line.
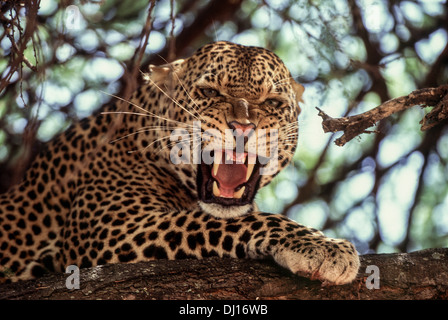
195,234
302,250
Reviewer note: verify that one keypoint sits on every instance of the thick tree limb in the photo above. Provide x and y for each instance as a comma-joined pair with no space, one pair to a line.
417,275
353,126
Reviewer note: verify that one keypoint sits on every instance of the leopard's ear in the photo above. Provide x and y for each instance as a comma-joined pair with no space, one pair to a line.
164,73
298,90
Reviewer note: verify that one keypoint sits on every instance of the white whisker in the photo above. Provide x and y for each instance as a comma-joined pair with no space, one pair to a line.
127,101
146,115
183,87
175,102
144,149
143,130
173,143
188,94
294,123
285,79
288,130
290,134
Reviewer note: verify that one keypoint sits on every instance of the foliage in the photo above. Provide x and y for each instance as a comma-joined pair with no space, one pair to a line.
386,191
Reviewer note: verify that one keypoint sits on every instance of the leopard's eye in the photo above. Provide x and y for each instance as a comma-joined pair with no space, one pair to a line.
272,103
211,93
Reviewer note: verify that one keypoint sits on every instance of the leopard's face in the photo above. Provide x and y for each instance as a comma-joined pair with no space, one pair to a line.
234,110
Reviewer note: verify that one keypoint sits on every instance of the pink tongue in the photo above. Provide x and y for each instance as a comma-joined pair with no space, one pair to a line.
229,177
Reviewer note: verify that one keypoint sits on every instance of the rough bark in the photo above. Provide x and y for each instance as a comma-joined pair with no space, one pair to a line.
418,275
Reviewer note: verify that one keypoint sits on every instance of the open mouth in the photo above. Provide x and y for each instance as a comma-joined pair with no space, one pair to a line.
232,179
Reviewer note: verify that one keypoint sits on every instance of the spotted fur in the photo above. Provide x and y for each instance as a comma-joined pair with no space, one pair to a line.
107,191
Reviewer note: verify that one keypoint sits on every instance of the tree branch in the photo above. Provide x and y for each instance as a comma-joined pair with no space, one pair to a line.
418,275
357,124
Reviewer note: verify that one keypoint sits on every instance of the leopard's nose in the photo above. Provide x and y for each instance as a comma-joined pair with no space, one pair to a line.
241,109
241,119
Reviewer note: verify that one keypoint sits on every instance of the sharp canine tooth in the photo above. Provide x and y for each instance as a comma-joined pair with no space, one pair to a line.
216,162
215,168
239,193
229,157
216,191
250,169
241,157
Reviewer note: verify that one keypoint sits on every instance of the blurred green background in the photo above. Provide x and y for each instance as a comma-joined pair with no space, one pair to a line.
387,192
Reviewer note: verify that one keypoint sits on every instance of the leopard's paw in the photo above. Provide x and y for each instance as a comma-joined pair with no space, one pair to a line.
332,261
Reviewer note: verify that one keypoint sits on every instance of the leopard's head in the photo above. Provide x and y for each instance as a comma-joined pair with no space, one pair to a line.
230,112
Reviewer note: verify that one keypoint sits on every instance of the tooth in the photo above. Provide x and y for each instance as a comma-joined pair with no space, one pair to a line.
217,156
216,191
215,168
239,193
241,157
229,157
250,169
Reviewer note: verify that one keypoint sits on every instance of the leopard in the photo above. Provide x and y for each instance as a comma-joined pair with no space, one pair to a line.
171,173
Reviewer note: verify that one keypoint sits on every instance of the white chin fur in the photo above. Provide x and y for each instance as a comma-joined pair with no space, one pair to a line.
225,212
